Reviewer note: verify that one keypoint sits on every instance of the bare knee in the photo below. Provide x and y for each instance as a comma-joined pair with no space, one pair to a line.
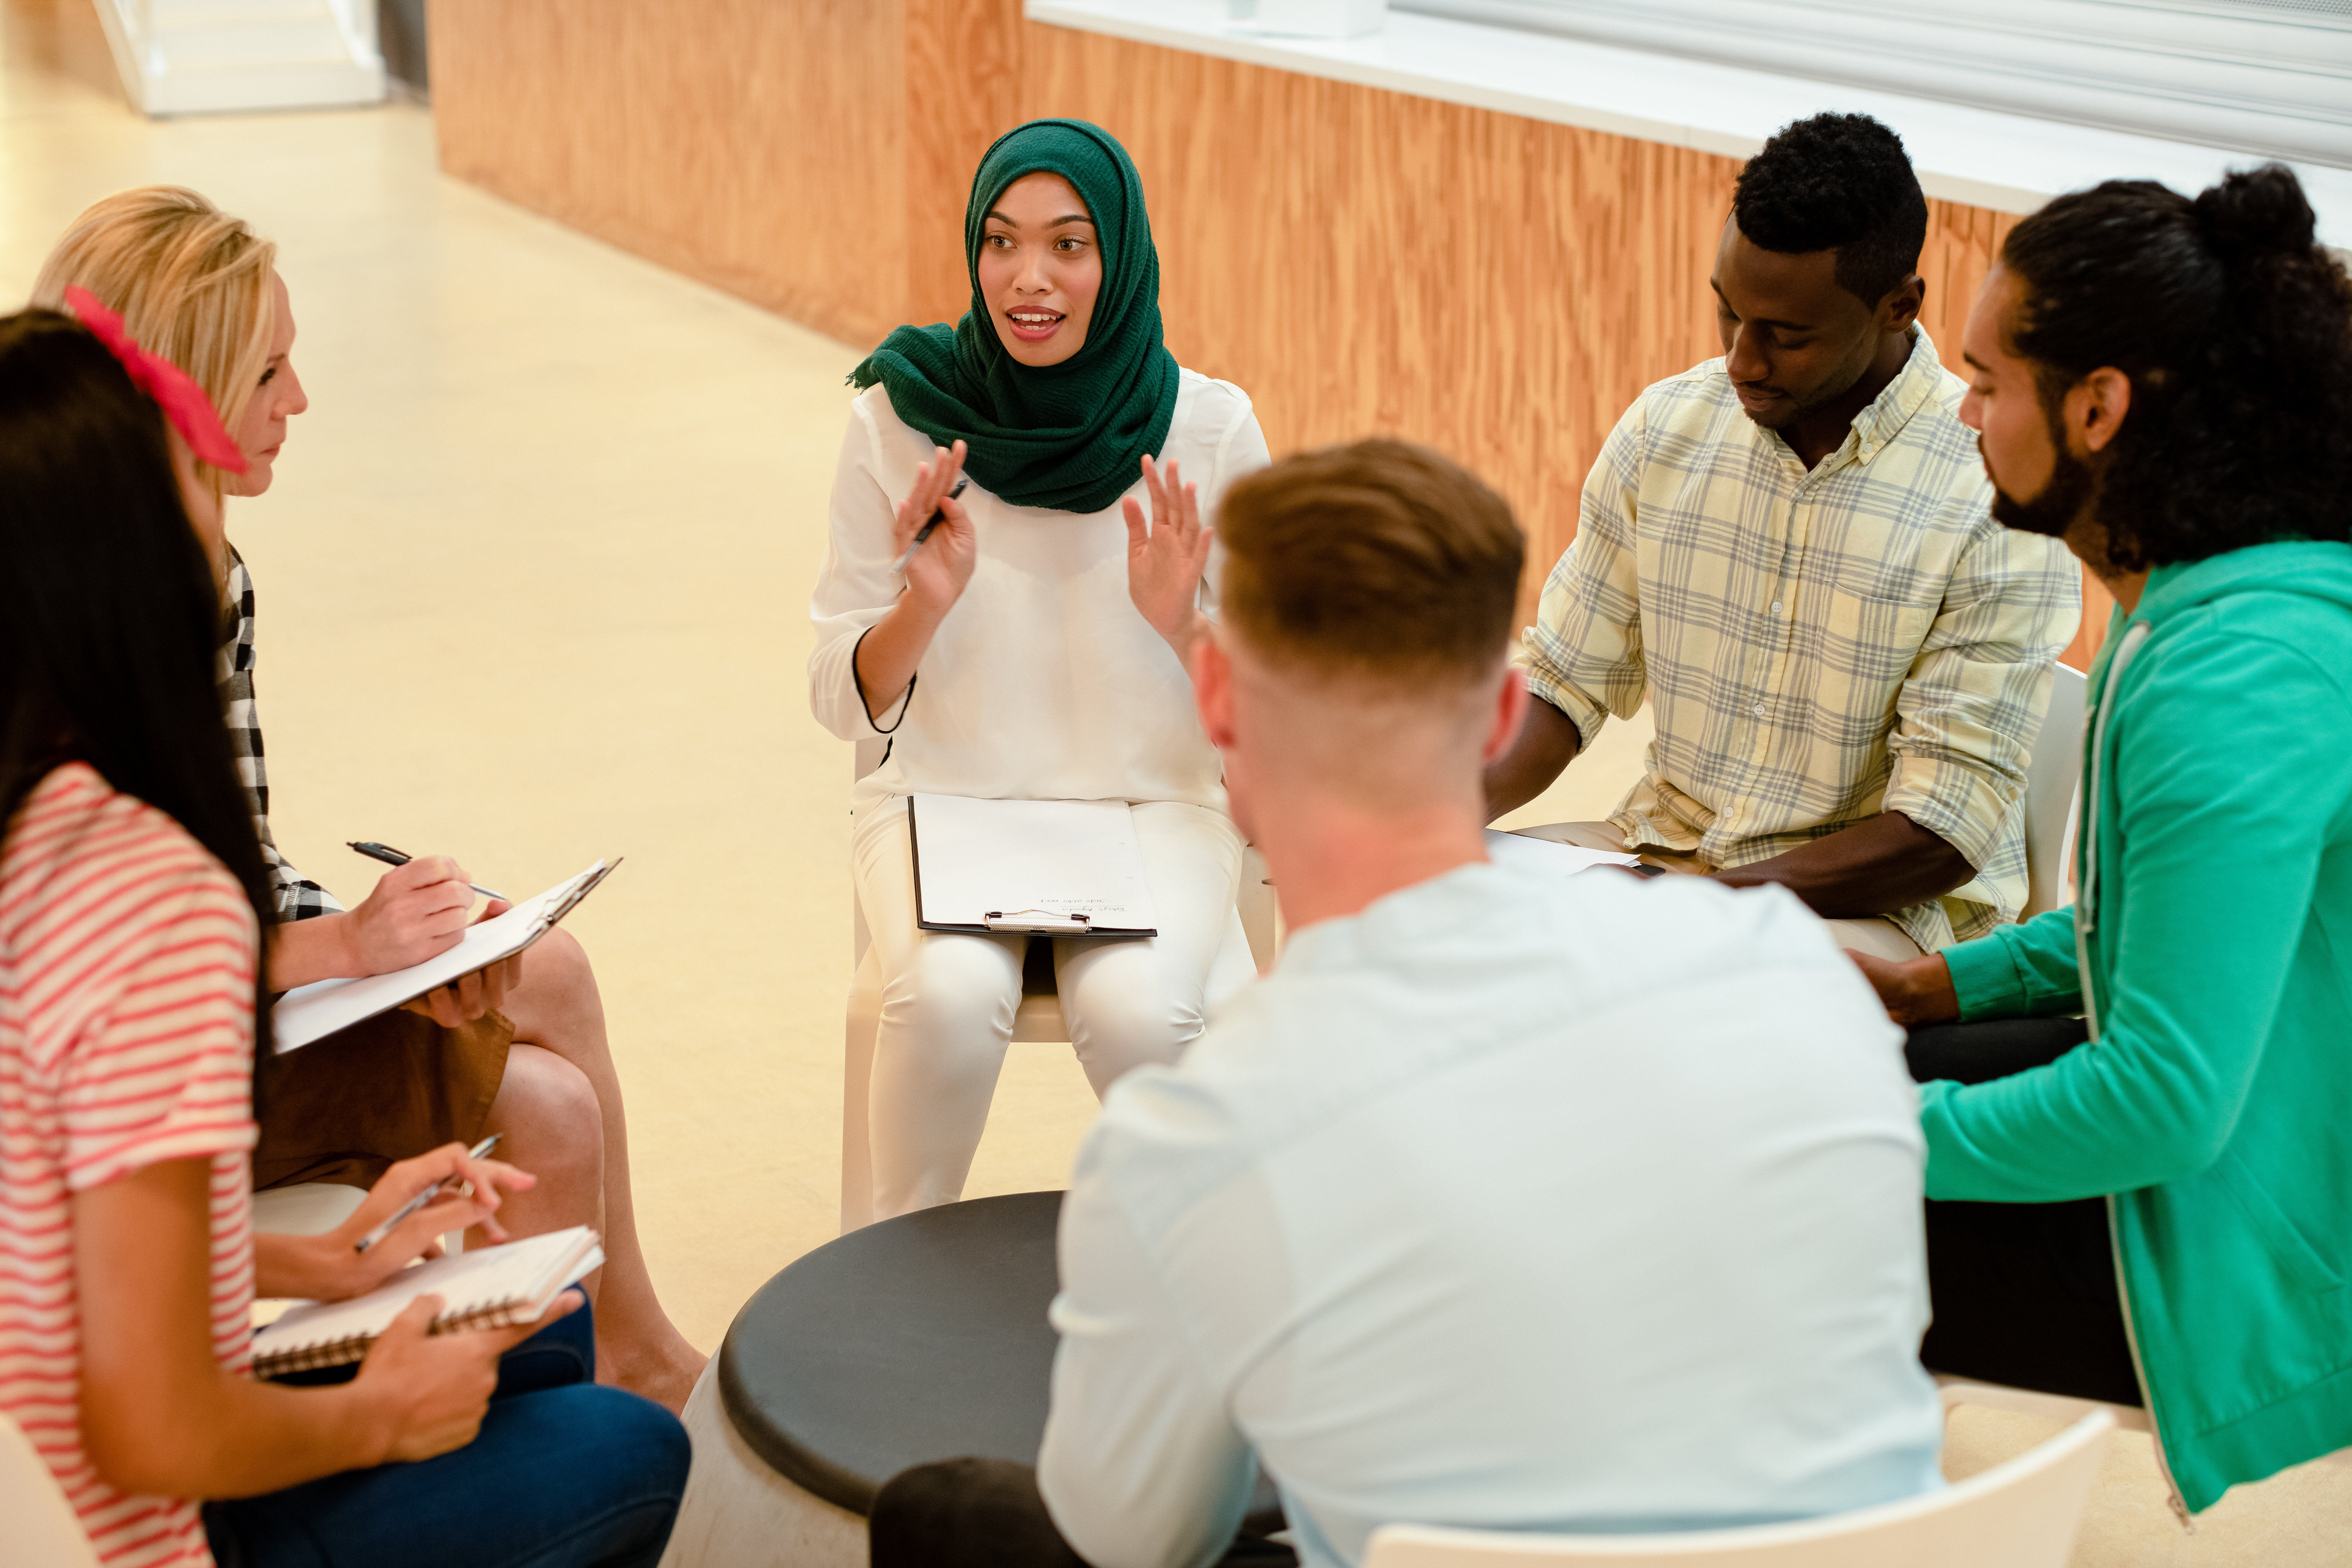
557,1002
547,1110
558,959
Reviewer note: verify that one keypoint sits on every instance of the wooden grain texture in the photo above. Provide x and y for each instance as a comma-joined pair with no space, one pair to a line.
1361,261
964,76
758,144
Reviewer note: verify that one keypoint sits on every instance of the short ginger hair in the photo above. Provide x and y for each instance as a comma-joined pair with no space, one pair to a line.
1379,561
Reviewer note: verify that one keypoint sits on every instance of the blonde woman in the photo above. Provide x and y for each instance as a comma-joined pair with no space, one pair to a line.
521,1049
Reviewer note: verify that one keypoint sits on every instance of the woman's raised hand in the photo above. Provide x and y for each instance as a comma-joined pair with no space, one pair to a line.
1165,562
936,573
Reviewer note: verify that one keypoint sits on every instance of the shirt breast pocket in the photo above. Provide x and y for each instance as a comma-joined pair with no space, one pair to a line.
1874,641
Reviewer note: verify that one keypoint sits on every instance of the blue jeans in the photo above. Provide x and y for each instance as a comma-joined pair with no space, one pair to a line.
563,1474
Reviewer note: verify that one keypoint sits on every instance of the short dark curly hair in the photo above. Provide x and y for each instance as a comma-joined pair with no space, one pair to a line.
1842,183
2235,327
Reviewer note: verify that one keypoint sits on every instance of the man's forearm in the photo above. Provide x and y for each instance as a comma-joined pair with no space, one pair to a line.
1547,742
1871,868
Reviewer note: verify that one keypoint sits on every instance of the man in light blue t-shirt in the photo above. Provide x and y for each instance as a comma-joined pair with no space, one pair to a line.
1507,1201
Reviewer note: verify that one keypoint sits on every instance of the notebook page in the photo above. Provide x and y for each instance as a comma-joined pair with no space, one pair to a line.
1522,853
1062,856
313,1012
519,1273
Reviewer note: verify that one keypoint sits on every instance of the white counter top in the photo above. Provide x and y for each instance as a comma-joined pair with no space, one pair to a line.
2008,162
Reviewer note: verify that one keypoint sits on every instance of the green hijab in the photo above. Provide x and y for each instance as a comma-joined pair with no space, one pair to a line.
1067,436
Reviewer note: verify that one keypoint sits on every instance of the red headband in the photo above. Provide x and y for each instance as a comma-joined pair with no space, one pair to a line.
183,401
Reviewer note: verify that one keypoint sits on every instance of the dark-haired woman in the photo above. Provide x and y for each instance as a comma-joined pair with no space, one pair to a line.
1035,646
2138,1126
132,895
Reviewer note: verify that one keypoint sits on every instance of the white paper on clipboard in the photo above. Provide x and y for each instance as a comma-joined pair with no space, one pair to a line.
312,1012
1033,865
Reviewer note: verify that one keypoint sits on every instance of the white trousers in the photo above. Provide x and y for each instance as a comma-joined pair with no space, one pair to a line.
949,997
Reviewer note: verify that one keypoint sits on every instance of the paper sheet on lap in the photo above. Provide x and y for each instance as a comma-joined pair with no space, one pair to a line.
1553,859
1052,857
312,1012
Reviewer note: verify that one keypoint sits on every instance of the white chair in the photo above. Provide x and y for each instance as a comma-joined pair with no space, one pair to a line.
42,1532
2065,1407
1248,951
310,1208
2052,779
2020,1514
306,1210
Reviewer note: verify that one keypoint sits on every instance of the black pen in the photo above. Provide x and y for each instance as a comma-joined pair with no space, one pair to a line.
390,857
938,517
477,1151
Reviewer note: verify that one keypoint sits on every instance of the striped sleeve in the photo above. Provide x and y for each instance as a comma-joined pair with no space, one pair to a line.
164,1070
134,956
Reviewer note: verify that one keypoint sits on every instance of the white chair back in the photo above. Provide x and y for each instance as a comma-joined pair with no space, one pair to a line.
2052,776
310,1208
2020,1514
39,1524
313,1208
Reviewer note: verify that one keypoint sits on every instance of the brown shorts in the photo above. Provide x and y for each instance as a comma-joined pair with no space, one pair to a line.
344,1108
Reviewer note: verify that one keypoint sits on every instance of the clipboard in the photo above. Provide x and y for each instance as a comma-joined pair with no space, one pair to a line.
311,1013
1047,868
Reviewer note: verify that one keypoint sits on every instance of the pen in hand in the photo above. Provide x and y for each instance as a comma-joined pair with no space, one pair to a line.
390,857
477,1151
938,517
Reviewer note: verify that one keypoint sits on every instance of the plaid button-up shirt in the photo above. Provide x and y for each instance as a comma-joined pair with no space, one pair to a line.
1817,646
298,898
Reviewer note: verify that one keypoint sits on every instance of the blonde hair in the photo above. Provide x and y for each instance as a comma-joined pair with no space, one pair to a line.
190,282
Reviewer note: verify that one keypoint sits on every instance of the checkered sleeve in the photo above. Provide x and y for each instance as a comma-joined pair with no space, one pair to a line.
296,897
1584,652
1966,715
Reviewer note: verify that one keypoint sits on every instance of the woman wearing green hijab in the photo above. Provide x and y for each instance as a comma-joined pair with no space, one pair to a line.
1035,645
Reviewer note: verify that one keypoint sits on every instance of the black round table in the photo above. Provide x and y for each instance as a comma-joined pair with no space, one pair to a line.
916,1339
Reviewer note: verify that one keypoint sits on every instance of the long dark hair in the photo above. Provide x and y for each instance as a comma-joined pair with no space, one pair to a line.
2235,327
108,641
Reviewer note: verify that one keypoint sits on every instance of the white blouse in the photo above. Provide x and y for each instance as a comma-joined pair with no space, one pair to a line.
1042,682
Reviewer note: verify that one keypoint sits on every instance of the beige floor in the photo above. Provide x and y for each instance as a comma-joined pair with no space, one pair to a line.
531,591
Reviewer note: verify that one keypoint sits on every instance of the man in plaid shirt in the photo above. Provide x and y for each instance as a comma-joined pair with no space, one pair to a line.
1790,552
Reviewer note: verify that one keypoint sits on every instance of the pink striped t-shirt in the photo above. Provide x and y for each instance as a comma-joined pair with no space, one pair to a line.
126,1038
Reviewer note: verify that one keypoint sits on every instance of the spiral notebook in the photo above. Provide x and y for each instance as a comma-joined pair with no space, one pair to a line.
487,1288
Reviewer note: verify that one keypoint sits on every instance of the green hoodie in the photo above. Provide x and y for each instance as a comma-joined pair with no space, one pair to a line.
2215,1103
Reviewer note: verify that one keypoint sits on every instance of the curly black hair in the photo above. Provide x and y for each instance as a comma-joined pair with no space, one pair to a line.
1842,183
2235,327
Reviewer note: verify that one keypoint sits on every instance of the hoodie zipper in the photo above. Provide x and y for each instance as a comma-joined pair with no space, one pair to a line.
2086,918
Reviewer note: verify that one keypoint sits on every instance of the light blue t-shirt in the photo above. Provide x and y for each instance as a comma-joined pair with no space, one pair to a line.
1509,1203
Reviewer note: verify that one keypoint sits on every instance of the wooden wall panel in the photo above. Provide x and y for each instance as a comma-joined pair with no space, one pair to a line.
963,81
743,143
1361,261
